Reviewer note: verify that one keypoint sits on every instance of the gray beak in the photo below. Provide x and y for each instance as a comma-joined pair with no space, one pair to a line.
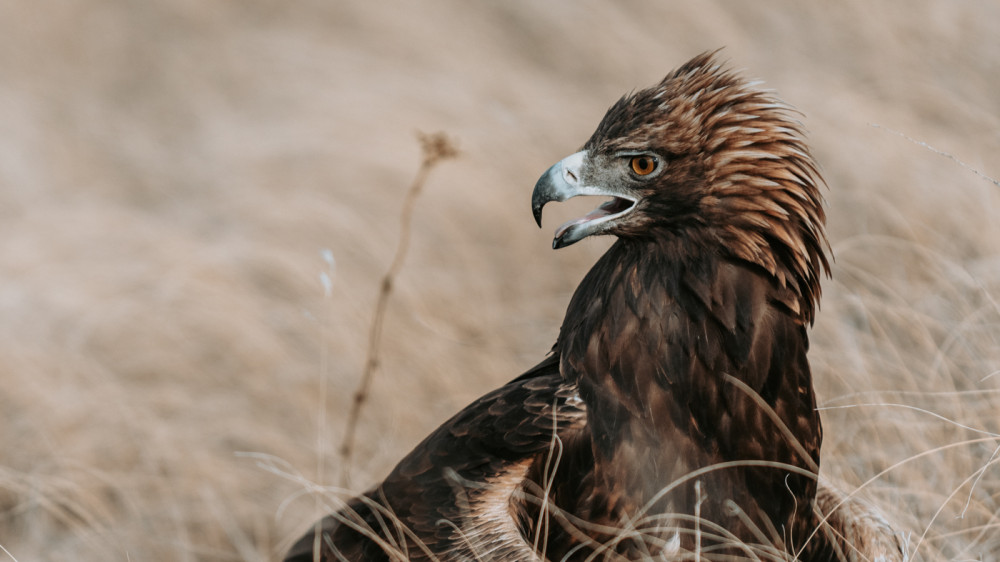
564,180
559,183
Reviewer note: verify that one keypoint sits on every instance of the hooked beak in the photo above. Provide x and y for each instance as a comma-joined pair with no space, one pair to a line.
563,181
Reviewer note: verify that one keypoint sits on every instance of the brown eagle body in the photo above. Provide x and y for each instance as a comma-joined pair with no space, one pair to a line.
688,338
676,416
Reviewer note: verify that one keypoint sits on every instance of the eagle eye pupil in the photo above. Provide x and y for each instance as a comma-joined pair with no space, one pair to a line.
643,165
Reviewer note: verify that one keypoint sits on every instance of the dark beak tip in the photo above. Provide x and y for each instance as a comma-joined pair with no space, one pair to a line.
541,195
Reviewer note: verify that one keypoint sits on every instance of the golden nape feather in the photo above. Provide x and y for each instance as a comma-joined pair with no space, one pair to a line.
675,417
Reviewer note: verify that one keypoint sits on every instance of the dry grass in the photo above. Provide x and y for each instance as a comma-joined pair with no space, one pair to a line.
173,172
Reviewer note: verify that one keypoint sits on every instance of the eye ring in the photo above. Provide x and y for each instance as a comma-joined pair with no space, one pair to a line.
643,164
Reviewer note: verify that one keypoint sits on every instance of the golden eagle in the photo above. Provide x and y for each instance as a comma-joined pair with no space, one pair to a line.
675,415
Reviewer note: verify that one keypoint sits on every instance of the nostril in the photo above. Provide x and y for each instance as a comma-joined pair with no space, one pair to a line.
570,175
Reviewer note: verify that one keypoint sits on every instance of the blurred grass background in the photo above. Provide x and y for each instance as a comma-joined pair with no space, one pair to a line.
171,172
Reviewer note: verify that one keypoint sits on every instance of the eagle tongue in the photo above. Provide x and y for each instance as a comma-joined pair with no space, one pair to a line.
605,209
593,215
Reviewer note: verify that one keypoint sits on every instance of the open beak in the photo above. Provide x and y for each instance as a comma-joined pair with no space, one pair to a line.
564,180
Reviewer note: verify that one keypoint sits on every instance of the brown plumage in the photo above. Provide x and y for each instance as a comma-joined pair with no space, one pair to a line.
688,337
678,395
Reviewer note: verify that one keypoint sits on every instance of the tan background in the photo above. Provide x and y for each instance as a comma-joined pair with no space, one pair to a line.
170,173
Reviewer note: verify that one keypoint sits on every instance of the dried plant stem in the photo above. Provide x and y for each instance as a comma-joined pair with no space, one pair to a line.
697,520
948,155
436,147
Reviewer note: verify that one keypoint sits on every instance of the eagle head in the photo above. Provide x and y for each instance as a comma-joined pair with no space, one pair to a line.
702,158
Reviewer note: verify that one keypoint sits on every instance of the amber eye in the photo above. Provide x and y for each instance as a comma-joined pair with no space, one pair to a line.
643,165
